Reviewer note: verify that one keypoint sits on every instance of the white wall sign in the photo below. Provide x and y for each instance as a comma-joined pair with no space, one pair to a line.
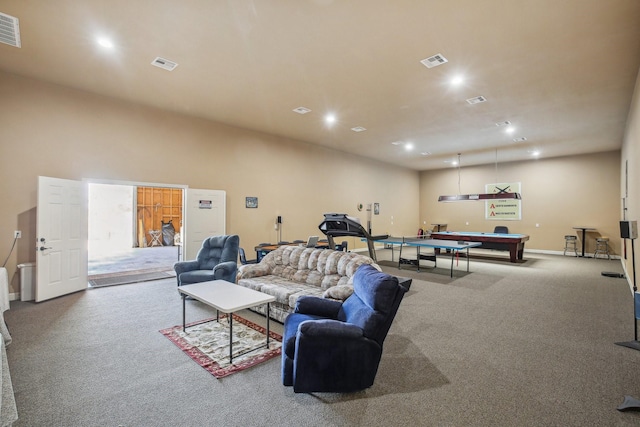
503,209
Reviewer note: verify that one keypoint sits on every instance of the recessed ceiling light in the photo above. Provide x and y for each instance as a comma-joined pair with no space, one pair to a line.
396,143
408,146
425,153
534,153
505,123
510,129
477,100
358,129
105,42
521,139
330,119
302,110
457,80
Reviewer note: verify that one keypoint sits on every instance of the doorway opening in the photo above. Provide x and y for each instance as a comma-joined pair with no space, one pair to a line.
134,233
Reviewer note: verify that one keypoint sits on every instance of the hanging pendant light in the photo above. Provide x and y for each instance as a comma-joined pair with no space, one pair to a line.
500,195
479,196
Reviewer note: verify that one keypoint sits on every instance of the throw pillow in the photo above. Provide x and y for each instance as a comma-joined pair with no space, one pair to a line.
340,292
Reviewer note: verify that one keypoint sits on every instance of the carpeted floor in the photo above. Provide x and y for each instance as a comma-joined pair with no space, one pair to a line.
528,344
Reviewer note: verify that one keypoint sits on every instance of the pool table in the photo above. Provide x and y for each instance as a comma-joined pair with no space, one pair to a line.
514,242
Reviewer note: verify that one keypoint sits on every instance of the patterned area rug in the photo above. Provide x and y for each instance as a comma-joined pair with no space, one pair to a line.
207,343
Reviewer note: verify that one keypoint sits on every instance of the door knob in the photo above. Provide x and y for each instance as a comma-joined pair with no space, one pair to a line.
42,248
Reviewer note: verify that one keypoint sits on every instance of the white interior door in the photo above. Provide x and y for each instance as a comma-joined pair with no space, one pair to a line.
61,259
204,216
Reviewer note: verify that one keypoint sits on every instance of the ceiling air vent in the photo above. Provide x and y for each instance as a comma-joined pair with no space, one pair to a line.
302,110
477,100
164,63
434,61
9,30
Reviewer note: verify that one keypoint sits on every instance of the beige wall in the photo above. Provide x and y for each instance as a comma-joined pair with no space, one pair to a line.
557,194
52,131
631,161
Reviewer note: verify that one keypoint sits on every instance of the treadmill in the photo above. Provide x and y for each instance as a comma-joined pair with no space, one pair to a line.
342,225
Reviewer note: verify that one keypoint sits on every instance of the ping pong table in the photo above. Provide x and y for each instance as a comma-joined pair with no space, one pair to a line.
454,247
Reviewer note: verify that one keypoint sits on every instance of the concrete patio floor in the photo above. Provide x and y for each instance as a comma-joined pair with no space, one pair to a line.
158,258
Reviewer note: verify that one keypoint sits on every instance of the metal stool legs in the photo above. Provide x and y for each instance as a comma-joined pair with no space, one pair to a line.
570,244
602,247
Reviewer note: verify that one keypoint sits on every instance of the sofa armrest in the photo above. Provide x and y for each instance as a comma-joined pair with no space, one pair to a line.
225,269
184,266
316,306
405,282
247,271
328,329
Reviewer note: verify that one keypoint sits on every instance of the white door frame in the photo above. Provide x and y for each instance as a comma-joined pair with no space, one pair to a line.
143,184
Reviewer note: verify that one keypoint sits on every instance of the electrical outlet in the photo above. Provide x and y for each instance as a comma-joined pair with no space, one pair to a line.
17,234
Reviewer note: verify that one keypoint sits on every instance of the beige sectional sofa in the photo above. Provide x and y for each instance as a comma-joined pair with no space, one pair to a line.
292,271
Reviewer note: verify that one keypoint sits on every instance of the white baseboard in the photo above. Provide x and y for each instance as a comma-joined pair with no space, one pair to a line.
546,252
526,251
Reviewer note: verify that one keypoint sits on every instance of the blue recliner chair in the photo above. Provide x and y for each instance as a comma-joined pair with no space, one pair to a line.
217,259
333,346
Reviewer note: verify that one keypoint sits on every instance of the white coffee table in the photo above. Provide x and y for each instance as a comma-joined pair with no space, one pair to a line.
226,297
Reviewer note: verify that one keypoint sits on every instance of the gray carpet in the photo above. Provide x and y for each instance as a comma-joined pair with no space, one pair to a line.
527,344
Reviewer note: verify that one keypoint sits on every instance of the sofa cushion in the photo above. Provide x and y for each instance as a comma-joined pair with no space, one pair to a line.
340,292
281,288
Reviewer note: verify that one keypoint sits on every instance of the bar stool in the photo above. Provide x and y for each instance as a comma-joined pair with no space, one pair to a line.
602,247
570,244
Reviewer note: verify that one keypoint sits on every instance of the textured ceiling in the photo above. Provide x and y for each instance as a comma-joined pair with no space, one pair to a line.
562,72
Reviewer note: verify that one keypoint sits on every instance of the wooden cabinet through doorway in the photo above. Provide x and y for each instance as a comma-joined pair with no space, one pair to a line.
156,205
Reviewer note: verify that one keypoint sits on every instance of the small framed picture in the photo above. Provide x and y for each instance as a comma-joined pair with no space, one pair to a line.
251,202
376,208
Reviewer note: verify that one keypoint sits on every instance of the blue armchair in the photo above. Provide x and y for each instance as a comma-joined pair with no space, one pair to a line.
217,259
333,346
